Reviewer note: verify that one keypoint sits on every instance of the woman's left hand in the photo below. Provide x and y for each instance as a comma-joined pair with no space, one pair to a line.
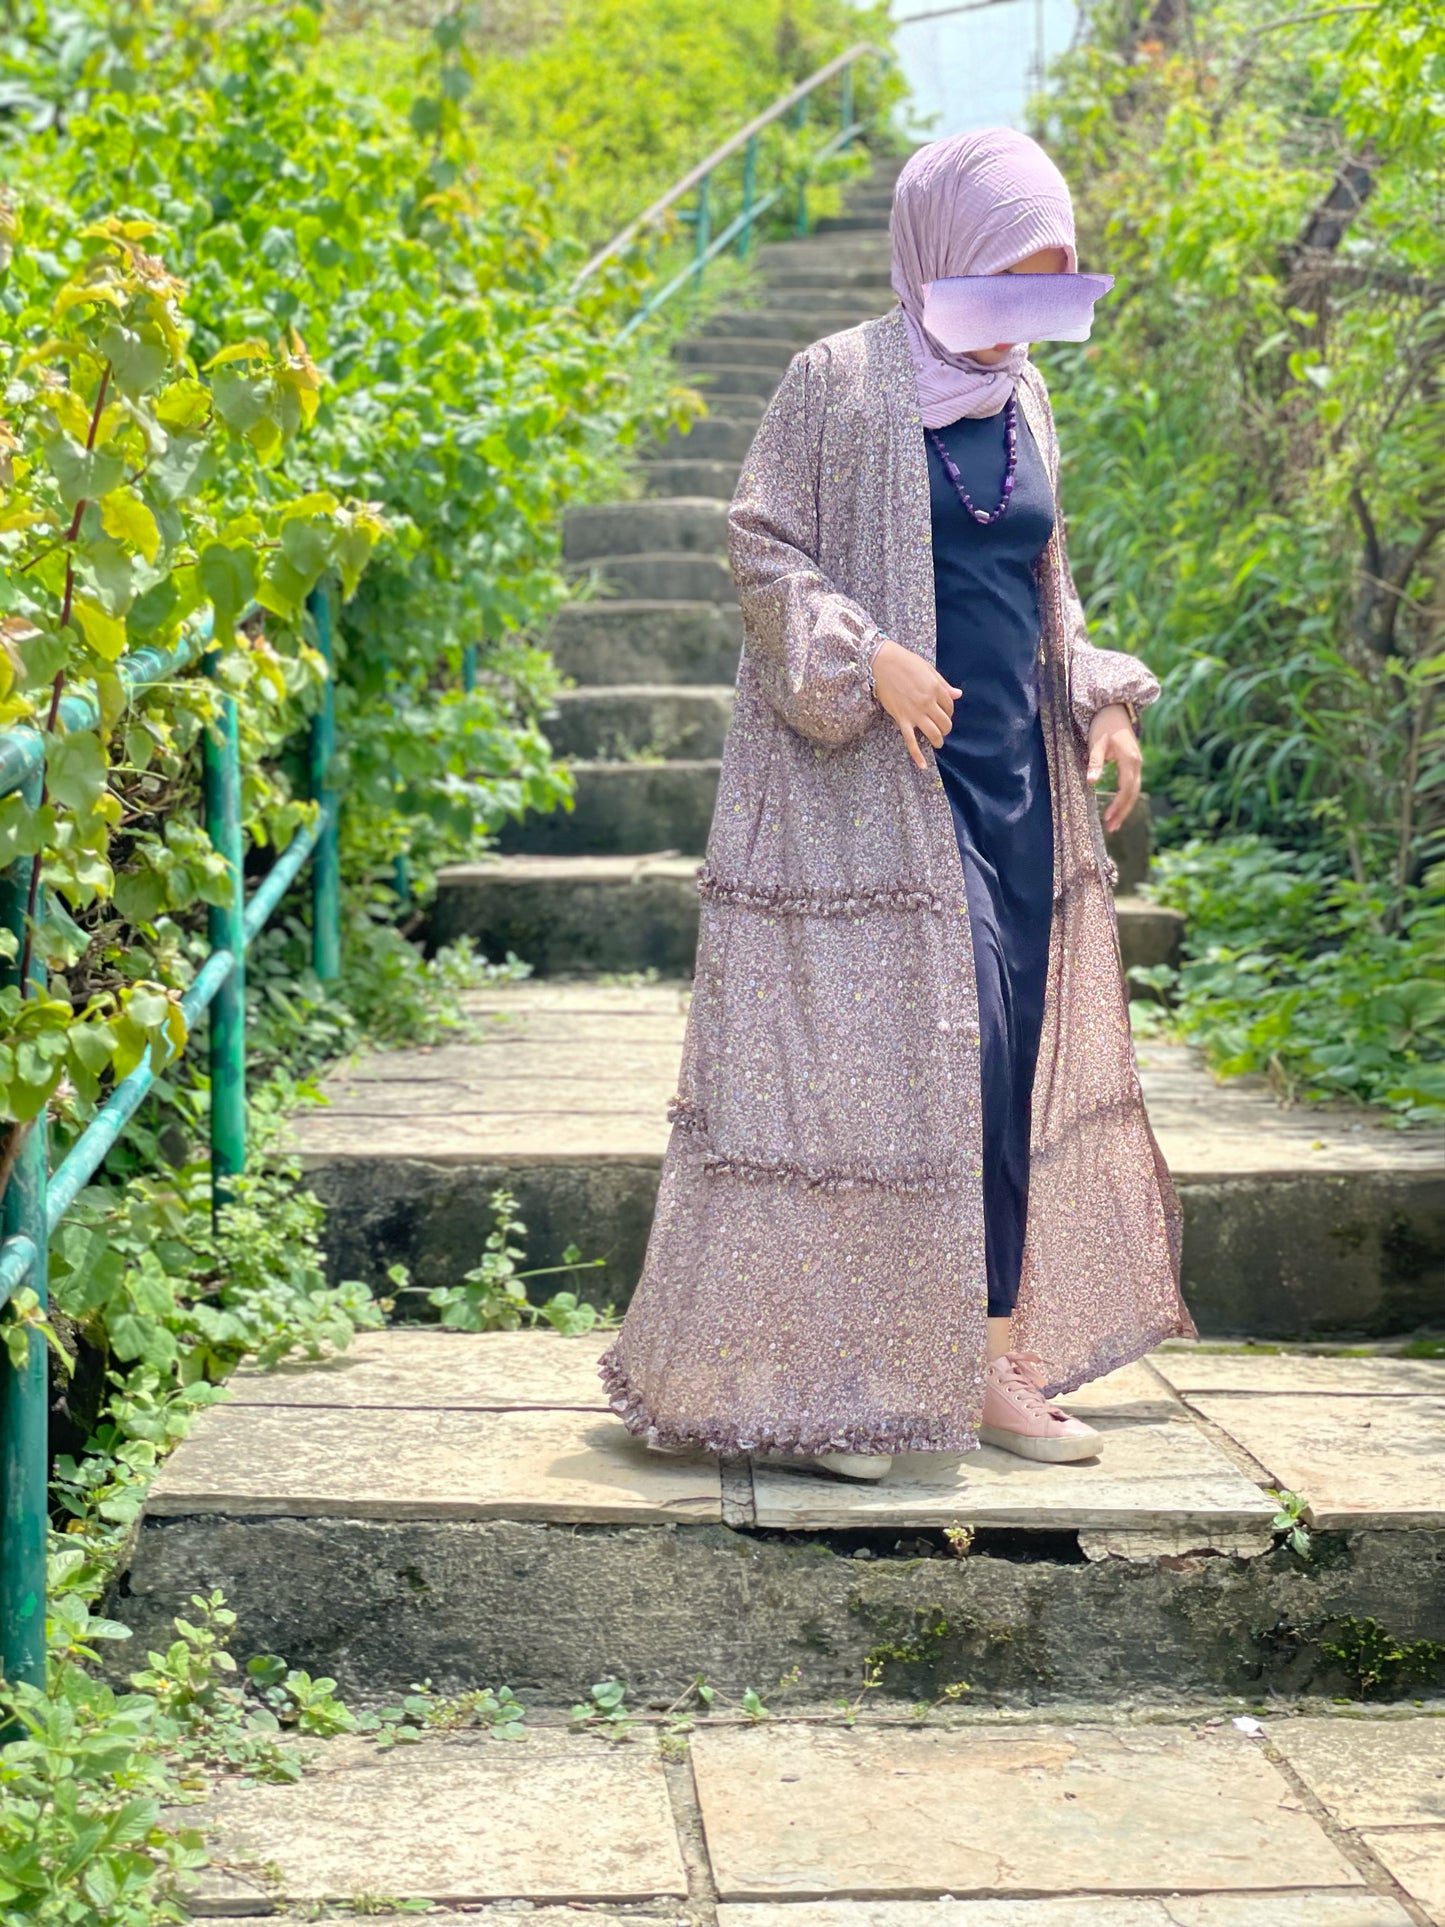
1112,740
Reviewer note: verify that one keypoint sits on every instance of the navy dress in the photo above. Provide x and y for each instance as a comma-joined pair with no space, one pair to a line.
997,781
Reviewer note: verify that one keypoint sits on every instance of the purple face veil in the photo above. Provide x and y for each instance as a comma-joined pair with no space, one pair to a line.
971,310
971,206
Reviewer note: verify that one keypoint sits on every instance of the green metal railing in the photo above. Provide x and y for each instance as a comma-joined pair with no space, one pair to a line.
36,1198
703,183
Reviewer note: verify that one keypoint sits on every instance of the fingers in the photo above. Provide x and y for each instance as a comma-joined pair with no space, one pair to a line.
1131,777
911,743
931,729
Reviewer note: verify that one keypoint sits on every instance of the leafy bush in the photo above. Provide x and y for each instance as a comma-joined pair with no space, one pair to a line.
1254,435
1290,971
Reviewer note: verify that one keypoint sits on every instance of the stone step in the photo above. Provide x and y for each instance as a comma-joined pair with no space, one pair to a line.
739,385
719,436
847,252
683,525
574,914
1296,1223
866,220
661,576
795,324
647,641
806,290
507,910
405,1488
653,719
629,808
668,478
704,354
623,809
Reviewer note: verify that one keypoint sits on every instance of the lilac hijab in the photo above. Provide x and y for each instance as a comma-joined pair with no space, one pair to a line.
973,204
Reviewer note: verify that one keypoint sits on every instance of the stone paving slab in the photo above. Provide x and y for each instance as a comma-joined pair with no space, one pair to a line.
414,1368
1319,1375
583,1062
1094,1910
1369,1772
1238,1129
1148,1475
310,1462
1134,1391
810,1813
419,1369
550,1817
1357,1462
1416,1858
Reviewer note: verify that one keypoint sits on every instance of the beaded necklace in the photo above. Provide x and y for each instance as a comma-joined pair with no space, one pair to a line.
950,467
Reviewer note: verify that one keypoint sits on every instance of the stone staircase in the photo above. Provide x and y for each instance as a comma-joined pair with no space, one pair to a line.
608,886
1003,1692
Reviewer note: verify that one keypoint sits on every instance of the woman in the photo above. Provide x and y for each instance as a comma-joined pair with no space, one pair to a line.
911,1190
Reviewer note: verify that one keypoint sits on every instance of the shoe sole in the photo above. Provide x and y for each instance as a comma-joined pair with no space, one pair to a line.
1043,1451
808,1463
855,1478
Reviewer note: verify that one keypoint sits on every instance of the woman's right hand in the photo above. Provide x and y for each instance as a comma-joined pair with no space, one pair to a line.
915,696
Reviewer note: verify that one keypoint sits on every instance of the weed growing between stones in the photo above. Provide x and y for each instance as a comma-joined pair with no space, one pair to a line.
493,1294
1288,1523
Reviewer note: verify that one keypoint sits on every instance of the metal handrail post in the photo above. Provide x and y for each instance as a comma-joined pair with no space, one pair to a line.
846,109
25,1392
704,223
221,768
321,750
750,188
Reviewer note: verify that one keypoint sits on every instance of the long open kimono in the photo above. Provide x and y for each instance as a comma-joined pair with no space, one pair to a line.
815,1279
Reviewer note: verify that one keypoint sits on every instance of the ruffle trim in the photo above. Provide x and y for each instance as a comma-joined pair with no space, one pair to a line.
800,900
1113,1358
736,1442
688,1117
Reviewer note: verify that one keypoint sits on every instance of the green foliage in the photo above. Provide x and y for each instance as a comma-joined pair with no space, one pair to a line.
1377,1662
605,1710
1291,971
1253,437
619,91
1289,1522
493,1294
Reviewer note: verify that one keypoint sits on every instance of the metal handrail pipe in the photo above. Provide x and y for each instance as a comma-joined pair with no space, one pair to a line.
729,147
86,1155
747,219
17,1261
285,870
22,746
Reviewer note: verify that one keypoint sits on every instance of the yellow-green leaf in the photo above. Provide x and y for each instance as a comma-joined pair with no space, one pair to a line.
105,634
125,516
240,351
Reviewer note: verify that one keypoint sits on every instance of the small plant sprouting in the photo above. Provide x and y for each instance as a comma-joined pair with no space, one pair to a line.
493,1294
605,1708
960,1540
423,1711
1289,1524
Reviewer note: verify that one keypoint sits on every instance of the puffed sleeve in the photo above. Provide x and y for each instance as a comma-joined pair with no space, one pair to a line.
810,645
1097,677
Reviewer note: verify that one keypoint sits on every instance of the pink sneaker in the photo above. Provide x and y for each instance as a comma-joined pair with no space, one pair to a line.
1017,1418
